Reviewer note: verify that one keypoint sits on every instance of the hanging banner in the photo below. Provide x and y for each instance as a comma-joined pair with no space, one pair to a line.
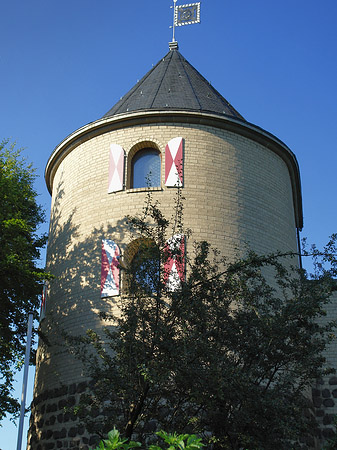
44,300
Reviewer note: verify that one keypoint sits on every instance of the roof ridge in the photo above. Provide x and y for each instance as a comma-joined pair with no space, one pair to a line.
161,81
126,96
220,97
189,80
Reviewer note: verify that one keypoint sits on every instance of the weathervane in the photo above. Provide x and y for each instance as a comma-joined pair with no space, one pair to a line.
184,15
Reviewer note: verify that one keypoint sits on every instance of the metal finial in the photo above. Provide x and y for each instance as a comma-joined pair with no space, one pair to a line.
173,45
174,23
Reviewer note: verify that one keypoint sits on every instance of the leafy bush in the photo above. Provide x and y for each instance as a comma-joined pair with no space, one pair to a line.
174,441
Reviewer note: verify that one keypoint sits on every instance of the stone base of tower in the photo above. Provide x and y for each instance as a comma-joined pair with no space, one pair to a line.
53,424
324,392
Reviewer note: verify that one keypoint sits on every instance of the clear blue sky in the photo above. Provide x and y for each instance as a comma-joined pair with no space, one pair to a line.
65,63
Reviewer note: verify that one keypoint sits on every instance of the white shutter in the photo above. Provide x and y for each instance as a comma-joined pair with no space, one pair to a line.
116,168
174,176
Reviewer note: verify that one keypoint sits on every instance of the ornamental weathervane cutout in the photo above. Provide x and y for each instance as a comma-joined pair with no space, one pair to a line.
184,15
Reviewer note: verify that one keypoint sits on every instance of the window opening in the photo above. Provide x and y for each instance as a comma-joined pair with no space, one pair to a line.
144,265
145,168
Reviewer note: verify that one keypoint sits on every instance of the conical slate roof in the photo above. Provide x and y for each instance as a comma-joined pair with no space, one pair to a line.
174,84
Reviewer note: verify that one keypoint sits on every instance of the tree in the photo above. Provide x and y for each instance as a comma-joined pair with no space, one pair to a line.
228,355
20,278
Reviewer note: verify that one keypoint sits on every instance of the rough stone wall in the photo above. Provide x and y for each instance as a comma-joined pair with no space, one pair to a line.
324,393
53,425
238,193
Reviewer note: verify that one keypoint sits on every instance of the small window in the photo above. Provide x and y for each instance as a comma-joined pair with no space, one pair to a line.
145,168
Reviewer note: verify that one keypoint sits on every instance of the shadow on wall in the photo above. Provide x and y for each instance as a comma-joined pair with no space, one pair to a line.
74,295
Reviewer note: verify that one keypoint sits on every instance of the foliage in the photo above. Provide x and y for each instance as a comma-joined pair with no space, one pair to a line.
20,279
173,441
228,355
178,441
114,442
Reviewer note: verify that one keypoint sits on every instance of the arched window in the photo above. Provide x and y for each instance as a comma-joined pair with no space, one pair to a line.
142,258
145,168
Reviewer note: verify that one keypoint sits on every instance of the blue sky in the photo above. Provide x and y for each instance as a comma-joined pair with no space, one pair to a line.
65,63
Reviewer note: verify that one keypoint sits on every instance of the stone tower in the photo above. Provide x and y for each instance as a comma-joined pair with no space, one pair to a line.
241,184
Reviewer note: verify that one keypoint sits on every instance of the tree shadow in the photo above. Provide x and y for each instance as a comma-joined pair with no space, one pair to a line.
74,301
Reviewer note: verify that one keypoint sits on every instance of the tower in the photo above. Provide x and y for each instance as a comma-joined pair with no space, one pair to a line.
241,184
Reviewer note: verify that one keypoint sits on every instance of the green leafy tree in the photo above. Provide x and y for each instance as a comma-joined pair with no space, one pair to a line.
20,278
227,355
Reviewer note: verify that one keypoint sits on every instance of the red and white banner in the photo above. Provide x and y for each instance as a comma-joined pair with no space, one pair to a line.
174,269
109,268
44,300
174,176
116,168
